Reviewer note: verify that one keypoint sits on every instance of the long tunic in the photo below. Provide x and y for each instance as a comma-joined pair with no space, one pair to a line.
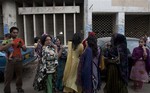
89,71
70,72
117,74
138,71
44,76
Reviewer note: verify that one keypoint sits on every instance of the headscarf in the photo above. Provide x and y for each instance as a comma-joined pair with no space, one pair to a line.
119,43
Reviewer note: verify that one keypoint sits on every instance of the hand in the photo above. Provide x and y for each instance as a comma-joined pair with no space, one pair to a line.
19,44
141,58
61,47
144,48
12,42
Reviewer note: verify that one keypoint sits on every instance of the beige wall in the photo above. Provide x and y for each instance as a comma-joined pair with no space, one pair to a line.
132,3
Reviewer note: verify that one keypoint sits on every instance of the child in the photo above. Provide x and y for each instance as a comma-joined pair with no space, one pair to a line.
139,73
7,39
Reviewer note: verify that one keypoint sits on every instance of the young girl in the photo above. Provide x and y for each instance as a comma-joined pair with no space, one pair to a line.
140,56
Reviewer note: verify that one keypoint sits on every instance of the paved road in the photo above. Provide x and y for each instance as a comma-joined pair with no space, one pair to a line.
146,89
29,73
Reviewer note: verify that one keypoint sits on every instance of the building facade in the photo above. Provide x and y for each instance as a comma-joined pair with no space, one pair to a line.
59,18
129,17
63,18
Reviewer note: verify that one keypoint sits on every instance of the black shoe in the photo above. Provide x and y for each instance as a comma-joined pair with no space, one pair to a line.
20,90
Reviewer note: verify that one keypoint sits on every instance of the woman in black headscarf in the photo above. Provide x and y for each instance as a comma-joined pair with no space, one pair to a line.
117,65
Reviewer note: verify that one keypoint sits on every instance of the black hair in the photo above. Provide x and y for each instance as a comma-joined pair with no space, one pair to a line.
118,39
92,43
76,40
43,38
13,28
144,39
56,40
8,35
36,39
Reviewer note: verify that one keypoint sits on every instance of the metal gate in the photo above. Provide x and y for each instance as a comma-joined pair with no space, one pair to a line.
103,24
137,25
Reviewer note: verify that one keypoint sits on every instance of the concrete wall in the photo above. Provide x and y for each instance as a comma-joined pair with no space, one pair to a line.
120,5
20,23
9,15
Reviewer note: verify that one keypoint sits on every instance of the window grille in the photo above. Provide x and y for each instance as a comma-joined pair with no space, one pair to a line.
103,24
137,25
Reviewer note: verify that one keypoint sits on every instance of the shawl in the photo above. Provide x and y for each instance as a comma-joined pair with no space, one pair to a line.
119,44
87,68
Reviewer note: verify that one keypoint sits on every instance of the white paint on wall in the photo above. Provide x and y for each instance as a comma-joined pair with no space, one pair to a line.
106,6
49,10
88,8
9,15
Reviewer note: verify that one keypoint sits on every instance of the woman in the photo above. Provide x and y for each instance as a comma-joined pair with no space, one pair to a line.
88,70
141,59
117,65
48,65
75,49
38,47
62,56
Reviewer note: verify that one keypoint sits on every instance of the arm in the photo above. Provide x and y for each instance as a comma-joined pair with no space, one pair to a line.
23,45
81,48
144,53
2,48
24,48
135,55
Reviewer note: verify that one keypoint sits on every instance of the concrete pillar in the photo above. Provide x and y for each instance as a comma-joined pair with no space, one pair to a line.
9,14
120,23
87,17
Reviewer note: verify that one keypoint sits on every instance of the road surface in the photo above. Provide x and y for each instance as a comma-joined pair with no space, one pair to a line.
28,77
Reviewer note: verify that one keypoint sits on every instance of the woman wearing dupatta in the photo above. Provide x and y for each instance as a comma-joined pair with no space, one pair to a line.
75,49
117,72
140,69
88,70
47,67
62,56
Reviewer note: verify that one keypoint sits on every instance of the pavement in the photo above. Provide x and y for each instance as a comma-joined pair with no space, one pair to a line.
145,89
30,71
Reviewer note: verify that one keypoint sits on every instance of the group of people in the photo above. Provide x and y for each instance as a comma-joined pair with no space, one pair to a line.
116,62
74,70
77,69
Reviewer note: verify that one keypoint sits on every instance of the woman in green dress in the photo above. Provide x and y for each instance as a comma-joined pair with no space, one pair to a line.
47,67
